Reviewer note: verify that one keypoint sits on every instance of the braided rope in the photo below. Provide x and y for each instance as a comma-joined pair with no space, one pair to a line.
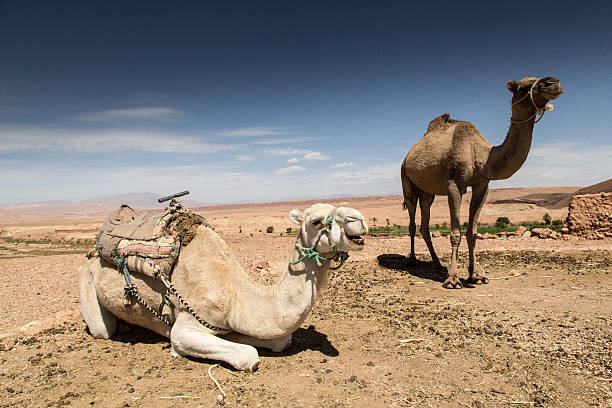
131,291
171,289
312,253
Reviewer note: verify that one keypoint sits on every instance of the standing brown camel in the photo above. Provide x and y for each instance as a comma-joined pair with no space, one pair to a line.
453,155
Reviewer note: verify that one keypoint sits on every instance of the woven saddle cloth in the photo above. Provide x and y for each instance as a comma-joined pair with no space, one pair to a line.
148,242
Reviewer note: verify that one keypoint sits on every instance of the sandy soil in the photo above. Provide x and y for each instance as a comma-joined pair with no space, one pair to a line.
384,333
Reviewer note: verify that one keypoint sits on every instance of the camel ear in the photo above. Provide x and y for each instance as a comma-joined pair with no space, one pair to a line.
512,86
296,216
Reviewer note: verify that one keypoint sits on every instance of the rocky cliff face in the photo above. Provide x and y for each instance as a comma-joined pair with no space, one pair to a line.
590,216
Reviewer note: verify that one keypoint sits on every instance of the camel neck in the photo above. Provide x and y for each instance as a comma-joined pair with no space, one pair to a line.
505,160
270,311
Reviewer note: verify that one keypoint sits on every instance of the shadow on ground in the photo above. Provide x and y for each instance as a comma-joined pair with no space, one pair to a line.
420,269
303,339
306,339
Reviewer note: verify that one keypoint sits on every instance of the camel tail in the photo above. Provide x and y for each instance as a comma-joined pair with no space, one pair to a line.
408,188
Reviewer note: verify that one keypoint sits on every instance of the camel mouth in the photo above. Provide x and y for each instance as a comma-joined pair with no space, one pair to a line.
551,94
356,239
551,90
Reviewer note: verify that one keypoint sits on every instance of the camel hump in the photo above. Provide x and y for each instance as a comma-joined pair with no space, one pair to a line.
440,122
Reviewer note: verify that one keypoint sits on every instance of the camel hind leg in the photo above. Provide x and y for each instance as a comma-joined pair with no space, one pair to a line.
410,202
100,322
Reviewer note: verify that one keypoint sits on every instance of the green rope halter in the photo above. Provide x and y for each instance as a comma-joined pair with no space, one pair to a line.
312,253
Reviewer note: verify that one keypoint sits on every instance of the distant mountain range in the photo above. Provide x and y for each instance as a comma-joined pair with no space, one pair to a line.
136,200
98,208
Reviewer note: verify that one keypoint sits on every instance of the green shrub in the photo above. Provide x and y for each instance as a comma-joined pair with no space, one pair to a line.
547,219
502,222
270,229
557,222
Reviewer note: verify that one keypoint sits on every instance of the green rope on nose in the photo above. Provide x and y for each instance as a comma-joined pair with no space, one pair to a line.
312,253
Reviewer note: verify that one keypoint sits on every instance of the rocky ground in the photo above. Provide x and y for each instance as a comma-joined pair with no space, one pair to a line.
384,333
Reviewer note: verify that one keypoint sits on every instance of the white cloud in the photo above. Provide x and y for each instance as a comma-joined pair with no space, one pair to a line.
343,164
133,113
31,139
562,164
288,170
314,156
26,178
370,175
293,160
284,152
254,132
273,141
245,158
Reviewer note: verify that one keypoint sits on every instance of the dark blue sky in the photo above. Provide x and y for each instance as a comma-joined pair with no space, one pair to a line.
244,91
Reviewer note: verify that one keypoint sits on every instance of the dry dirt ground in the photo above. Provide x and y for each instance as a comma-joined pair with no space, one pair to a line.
384,333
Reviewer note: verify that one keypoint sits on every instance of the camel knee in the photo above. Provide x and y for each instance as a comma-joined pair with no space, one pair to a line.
470,236
412,228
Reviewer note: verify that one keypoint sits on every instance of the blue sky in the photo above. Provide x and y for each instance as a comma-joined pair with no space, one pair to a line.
259,101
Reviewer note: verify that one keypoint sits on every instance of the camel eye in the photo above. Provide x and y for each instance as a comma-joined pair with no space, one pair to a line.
316,223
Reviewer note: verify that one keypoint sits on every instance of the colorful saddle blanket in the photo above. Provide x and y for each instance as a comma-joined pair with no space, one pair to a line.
147,242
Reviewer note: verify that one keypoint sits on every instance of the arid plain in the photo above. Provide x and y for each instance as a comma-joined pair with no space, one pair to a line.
384,333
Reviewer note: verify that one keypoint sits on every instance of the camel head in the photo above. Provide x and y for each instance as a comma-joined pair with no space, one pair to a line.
329,229
530,93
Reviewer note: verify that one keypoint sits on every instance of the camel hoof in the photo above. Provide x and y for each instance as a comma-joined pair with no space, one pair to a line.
478,280
254,367
452,283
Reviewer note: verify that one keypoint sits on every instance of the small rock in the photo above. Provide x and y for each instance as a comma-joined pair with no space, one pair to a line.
262,264
31,327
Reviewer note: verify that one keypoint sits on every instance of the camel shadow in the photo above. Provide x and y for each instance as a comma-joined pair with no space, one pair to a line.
132,334
305,339
419,269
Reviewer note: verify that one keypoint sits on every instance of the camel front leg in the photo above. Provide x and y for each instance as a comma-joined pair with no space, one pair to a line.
275,345
425,202
454,205
479,195
190,338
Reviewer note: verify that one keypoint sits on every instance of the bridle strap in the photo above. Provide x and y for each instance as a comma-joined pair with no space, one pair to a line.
539,110
312,253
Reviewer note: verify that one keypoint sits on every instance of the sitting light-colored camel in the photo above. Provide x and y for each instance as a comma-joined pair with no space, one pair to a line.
453,155
210,279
